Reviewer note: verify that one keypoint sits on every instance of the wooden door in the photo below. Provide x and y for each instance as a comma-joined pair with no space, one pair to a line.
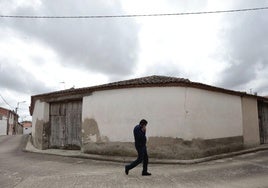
73,123
65,122
263,122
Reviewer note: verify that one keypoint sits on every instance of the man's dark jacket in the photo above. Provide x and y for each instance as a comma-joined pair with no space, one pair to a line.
140,137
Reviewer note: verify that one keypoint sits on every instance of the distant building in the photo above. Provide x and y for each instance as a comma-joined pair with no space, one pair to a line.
9,122
27,127
19,129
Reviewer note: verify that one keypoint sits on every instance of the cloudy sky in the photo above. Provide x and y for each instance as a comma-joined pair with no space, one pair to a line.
228,50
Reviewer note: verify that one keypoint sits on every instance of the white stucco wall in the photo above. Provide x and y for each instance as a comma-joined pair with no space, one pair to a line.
176,112
212,115
11,124
251,132
41,113
11,119
3,126
27,130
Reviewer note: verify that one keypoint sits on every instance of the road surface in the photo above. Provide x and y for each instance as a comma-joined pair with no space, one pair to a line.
24,170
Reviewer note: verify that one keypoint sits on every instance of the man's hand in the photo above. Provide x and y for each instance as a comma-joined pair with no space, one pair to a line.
143,128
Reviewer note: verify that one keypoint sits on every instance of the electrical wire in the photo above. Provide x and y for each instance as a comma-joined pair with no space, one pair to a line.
5,101
133,15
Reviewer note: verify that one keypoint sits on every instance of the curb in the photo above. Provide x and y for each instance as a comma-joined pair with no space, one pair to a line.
77,154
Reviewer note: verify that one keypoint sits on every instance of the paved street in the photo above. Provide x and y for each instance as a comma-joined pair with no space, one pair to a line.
21,169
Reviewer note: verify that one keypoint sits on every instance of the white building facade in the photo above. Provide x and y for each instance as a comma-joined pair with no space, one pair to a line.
3,125
8,122
177,110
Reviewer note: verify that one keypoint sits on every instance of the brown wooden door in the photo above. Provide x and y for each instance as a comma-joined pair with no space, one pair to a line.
65,122
263,122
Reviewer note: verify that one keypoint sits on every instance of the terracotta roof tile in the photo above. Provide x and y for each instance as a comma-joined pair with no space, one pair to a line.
137,82
148,80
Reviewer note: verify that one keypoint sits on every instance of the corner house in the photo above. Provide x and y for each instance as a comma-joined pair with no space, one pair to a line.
186,119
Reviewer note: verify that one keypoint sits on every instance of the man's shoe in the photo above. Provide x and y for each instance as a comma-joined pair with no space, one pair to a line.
126,170
146,174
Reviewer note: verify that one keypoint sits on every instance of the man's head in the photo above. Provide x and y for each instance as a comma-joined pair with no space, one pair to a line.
143,122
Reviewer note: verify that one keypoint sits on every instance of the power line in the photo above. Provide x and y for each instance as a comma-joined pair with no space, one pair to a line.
5,101
133,15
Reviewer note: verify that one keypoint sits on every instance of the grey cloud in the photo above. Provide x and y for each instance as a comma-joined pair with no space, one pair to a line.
262,90
237,75
15,78
246,44
186,5
105,45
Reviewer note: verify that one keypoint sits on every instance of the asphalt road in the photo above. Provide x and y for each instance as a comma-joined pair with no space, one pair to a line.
27,170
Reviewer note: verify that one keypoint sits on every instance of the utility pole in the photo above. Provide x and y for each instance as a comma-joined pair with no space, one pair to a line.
16,110
16,119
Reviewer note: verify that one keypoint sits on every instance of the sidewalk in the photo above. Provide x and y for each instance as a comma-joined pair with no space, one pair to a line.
77,154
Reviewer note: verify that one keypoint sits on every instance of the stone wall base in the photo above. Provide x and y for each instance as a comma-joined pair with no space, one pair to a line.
169,148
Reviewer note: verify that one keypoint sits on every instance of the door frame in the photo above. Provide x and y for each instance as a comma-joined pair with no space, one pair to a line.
263,121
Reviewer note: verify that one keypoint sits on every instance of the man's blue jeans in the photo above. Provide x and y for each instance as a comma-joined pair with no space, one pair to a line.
142,157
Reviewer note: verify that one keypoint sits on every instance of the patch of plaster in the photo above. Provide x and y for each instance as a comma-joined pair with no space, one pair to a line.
46,134
177,148
41,137
38,137
91,132
111,148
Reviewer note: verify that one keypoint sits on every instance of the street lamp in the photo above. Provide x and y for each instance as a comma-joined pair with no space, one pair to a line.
18,106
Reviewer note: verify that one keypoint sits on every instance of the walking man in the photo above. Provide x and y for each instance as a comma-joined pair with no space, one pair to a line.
140,145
